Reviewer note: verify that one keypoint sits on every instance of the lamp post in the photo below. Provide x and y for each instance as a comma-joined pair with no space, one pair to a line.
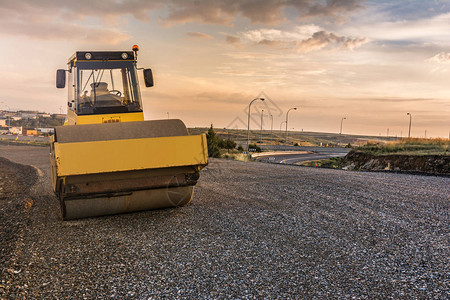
271,126
262,115
342,121
410,119
281,125
167,115
248,124
287,115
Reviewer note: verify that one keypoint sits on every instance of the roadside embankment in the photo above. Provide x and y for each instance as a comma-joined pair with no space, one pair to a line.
424,164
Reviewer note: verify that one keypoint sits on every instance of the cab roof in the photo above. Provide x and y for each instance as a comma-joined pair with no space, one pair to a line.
102,56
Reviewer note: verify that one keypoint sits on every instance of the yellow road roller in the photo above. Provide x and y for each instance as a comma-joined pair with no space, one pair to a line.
106,159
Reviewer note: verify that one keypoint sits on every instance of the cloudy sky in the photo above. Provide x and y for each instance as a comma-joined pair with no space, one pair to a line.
368,61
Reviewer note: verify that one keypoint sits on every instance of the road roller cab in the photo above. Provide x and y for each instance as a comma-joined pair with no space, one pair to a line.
107,159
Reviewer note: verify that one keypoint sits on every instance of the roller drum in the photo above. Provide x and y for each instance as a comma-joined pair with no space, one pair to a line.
104,169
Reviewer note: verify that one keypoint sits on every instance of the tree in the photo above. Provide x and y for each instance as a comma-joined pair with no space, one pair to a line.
213,143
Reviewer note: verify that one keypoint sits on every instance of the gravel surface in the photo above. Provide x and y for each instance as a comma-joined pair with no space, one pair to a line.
15,205
253,230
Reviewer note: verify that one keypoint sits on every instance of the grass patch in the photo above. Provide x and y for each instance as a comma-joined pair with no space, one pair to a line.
408,146
19,142
233,154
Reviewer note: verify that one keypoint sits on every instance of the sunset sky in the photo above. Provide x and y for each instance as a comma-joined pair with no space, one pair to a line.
368,61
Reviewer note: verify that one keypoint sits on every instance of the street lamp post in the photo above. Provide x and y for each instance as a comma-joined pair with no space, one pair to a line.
410,119
287,115
281,124
262,115
342,121
271,126
248,125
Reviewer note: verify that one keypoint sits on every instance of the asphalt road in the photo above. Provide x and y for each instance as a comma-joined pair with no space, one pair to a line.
252,231
308,153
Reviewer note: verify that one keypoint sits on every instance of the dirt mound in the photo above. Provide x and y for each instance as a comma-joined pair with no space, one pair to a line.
426,164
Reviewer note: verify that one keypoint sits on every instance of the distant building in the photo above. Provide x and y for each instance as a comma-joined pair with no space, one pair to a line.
3,122
15,130
8,113
29,116
45,130
30,132
59,116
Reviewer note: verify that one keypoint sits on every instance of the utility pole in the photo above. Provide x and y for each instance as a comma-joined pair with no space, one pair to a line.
262,115
410,119
248,125
271,126
342,121
287,115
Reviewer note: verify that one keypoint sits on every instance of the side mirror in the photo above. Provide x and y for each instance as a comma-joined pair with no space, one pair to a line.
148,77
60,78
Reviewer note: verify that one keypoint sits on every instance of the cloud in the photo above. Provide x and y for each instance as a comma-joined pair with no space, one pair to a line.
233,40
77,10
265,12
298,33
27,16
427,30
206,12
66,20
332,8
68,31
322,39
305,38
199,35
441,57
275,44
268,12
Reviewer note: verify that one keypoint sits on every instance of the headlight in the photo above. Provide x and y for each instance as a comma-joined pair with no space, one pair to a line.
88,55
124,55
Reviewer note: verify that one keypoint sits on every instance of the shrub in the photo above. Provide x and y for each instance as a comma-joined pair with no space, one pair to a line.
213,143
226,144
255,147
